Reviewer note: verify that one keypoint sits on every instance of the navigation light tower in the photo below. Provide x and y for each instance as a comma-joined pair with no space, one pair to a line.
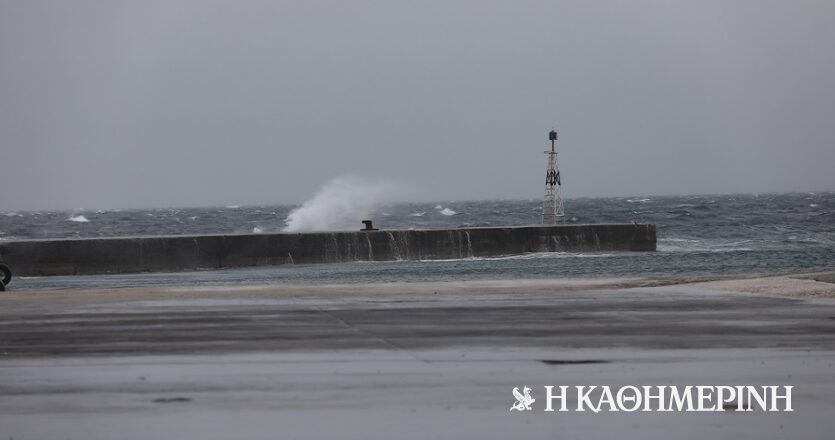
552,208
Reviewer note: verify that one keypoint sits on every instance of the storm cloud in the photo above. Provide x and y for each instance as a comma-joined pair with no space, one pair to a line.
188,103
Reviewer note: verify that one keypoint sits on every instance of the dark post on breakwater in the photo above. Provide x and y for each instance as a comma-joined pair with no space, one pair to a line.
189,252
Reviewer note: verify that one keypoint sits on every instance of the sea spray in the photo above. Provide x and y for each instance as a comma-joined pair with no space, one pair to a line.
341,204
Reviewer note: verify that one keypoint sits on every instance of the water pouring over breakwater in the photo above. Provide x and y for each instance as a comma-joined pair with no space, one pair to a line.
176,253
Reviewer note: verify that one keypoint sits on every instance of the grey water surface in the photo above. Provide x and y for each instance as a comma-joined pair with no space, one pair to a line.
697,235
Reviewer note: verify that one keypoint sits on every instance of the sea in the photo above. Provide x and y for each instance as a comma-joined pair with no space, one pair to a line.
698,235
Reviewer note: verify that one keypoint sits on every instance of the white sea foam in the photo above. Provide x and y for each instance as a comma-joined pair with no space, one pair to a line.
638,200
813,205
78,219
535,255
447,211
703,245
439,207
341,203
417,214
257,230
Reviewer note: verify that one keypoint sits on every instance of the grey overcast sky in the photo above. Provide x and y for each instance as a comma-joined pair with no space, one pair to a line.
175,102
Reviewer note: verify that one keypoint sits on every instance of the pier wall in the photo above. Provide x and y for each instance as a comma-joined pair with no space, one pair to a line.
176,253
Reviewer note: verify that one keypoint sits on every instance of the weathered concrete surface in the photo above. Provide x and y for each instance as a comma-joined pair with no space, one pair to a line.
173,253
381,364
377,316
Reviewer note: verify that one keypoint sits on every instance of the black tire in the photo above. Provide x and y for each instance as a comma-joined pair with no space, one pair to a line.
7,274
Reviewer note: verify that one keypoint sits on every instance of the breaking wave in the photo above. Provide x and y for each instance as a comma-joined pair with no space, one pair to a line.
340,204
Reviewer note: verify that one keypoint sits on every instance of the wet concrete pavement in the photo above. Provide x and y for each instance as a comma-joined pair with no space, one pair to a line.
422,365
671,317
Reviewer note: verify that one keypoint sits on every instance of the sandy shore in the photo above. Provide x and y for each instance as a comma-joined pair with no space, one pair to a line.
820,285
306,290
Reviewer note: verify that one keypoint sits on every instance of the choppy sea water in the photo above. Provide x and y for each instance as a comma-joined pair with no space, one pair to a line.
697,235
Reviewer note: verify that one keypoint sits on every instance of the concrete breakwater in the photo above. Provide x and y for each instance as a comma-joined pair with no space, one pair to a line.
188,252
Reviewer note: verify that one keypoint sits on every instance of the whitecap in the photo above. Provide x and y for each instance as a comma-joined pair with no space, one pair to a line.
417,214
78,219
439,207
257,230
813,205
638,200
192,218
447,211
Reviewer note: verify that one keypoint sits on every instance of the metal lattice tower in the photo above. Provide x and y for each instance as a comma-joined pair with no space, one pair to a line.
552,207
